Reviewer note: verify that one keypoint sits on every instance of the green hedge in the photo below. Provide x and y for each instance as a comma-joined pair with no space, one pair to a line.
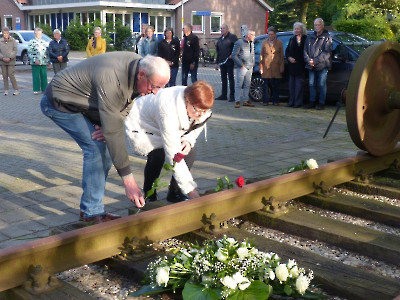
373,29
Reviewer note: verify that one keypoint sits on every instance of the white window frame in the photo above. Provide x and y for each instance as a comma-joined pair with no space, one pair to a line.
156,23
202,22
220,15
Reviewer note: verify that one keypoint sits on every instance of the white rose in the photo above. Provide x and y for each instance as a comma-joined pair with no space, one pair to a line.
162,276
242,252
242,282
312,163
271,275
281,272
231,241
221,256
229,282
302,284
294,271
291,263
253,251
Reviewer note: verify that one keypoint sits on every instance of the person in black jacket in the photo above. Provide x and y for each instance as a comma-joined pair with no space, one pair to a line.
296,65
190,54
224,49
58,52
168,49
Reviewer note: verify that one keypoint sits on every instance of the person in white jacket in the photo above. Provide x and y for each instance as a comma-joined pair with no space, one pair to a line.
160,126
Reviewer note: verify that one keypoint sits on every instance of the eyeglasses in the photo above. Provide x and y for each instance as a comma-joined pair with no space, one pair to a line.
153,88
198,110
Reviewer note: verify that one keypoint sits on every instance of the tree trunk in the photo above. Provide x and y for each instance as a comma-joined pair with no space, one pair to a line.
303,11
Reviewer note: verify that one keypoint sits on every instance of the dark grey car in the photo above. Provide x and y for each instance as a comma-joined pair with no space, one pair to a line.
346,49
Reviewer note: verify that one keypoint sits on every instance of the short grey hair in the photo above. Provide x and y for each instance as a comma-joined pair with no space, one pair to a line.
319,19
271,28
5,29
97,29
189,26
57,31
302,26
153,65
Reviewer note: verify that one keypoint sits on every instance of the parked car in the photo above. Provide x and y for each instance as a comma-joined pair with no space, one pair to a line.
346,49
23,37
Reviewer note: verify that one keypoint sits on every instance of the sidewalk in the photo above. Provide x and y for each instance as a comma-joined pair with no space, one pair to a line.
40,165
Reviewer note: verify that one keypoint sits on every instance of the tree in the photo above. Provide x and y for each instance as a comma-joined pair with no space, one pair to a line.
77,35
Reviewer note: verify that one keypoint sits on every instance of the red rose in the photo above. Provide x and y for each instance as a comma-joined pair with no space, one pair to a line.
240,181
178,157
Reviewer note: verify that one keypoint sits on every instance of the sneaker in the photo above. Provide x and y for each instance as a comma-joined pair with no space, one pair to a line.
5,93
16,93
222,97
237,104
36,93
248,103
320,107
309,105
176,196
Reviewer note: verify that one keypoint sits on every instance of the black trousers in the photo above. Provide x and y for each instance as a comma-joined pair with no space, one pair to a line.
227,73
155,162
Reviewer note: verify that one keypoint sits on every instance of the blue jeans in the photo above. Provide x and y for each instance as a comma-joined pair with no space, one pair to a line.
242,84
274,84
96,159
317,79
185,73
172,80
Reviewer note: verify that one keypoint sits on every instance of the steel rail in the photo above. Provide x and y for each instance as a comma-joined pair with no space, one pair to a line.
90,244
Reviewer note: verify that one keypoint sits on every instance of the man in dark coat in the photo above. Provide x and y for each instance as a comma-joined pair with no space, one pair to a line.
190,54
58,52
224,49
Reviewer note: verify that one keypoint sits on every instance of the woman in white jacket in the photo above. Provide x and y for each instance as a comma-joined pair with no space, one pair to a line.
160,126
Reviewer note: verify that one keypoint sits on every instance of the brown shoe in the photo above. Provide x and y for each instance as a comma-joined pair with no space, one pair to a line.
98,219
237,104
248,103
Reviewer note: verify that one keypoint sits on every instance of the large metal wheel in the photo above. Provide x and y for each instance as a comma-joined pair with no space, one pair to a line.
256,89
373,124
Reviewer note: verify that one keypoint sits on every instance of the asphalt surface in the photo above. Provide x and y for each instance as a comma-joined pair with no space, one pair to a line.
41,166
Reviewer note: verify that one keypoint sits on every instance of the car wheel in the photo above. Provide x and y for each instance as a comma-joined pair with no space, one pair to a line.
25,58
256,89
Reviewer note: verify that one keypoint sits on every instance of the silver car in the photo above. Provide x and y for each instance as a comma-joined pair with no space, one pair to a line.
23,37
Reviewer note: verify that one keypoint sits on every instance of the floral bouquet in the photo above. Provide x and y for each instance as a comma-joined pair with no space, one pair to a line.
308,164
226,269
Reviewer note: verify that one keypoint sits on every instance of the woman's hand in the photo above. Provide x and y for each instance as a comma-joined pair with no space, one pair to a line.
193,194
186,147
292,60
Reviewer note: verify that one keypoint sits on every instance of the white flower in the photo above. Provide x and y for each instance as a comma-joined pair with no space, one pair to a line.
243,282
281,272
294,271
242,252
291,263
220,255
229,282
231,241
311,163
253,251
302,284
162,276
206,278
271,275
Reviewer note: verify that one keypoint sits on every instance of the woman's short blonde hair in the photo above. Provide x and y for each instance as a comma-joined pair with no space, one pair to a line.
302,26
97,29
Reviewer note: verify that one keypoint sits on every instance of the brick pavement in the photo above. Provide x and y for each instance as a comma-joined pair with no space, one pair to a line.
40,166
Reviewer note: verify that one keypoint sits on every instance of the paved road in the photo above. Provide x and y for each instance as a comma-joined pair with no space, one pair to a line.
40,165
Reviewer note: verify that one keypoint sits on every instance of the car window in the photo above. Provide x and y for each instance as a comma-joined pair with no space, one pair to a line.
354,42
285,41
258,44
16,37
27,36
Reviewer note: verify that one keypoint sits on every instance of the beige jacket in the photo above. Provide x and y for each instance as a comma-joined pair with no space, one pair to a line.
272,59
8,48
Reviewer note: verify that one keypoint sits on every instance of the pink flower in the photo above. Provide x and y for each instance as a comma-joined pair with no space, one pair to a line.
178,157
240,181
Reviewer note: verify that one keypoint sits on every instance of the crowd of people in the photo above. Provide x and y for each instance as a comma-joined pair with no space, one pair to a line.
106,97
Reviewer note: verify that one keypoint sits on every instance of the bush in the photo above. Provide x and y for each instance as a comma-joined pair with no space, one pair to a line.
76,35
373,29
47,30
121,34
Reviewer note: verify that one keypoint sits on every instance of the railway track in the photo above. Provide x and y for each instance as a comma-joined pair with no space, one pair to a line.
262,203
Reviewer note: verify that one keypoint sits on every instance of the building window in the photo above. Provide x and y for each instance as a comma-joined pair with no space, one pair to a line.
168,22
8,22
160,23
197,23
216,22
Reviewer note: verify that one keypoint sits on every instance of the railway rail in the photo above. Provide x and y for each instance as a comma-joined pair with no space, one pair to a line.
255,200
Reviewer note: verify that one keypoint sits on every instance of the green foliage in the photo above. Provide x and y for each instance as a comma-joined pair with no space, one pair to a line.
47,30
373,29
221,185
121,33
76,35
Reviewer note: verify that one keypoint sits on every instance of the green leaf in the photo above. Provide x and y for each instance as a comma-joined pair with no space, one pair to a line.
257,290
199,292
288,290
150,192
149,290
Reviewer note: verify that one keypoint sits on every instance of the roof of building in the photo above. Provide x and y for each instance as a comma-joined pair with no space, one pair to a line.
262,2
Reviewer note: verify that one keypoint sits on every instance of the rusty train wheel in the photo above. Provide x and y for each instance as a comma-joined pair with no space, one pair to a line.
373,125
